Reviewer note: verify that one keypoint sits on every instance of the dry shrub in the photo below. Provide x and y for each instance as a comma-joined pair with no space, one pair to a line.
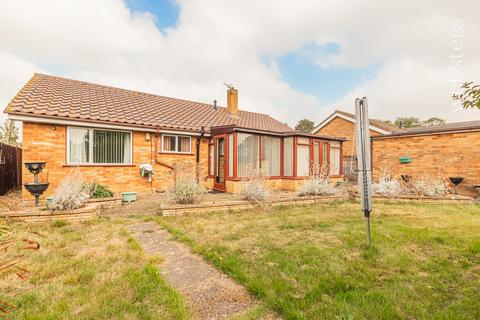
318,185
186,189
254,186
387,186
72,193
431,186
11,200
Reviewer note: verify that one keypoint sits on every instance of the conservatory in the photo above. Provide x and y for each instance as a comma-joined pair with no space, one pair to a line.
284,158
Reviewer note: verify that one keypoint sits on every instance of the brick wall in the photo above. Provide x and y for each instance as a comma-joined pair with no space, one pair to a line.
450,154
41,142
342,128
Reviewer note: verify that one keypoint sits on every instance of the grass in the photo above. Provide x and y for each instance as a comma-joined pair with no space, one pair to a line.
311,262
89,270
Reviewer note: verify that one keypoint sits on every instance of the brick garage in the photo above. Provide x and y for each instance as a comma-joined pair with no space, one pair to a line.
451,150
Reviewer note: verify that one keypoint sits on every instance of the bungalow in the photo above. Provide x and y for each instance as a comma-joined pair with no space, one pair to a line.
108,133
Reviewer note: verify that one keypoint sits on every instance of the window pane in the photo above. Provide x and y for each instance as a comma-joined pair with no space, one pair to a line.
325,162
334,158
248,153
79,145
212,162
169,143
271,156
316,158
111,147
230,155
303,160
184,144
288,157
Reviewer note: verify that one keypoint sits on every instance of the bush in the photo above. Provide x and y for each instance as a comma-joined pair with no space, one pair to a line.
186,191
317,185
387,186
431,187
101,191
72,193
254,186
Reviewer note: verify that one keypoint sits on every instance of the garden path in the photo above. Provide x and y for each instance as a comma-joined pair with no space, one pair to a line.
210,294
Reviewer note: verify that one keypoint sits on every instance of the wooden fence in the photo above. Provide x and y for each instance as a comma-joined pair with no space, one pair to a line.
10,168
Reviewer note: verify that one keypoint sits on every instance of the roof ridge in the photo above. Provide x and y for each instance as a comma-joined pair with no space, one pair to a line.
136,91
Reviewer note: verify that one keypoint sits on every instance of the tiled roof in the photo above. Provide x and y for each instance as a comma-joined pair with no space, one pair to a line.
446,127
56,97
376,123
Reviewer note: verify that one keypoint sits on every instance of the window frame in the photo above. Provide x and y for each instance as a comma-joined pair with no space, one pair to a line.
90,147
176,143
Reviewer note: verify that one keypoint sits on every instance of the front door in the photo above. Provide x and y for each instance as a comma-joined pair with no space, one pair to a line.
220,164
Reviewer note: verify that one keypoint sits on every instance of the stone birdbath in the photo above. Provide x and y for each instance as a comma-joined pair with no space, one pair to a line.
36,188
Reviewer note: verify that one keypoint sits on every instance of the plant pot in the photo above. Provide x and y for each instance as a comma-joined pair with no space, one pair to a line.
129,196
405,159
49,202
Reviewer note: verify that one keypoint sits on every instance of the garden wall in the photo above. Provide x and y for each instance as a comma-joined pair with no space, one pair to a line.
450,154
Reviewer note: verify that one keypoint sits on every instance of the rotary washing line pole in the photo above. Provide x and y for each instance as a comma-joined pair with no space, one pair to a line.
364,161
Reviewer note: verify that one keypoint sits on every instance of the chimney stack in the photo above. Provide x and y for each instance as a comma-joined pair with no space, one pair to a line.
232,101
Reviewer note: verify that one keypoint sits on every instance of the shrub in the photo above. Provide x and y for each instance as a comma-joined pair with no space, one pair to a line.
431,186
387,186
101,191
254,186
186,191
73,192
317,185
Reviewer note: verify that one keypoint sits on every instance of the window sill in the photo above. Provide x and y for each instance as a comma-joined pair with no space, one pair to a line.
177,153
99,165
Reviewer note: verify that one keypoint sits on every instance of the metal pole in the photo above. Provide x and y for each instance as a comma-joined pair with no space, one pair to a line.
364,161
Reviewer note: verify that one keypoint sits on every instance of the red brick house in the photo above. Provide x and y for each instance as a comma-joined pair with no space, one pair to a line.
342,124
109,132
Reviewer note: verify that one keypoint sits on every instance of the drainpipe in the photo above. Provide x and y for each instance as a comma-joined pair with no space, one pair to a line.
197,166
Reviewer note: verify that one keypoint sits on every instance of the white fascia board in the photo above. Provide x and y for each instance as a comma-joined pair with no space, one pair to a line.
352,120
63,122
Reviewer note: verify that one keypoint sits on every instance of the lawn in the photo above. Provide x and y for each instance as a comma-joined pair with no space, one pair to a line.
88,270
311,262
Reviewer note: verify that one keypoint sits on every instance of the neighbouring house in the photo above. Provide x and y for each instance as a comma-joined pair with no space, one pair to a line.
342,124
448,150
109,133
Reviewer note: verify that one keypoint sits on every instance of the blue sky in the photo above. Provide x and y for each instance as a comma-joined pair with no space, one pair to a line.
165,11
299,68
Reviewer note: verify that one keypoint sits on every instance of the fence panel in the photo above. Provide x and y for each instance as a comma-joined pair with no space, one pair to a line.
10,168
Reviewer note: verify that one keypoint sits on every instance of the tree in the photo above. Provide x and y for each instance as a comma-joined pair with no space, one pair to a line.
407,122
305,125
470,97
433,121
9,133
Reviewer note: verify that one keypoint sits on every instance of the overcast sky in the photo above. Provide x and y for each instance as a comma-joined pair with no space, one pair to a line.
290,59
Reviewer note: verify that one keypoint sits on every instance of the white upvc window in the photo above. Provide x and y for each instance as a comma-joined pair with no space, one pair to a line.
176,144
98,146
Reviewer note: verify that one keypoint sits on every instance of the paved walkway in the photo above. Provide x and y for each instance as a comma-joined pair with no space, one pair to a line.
210,294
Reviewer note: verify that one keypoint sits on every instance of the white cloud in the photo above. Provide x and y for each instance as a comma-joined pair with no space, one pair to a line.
216,41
